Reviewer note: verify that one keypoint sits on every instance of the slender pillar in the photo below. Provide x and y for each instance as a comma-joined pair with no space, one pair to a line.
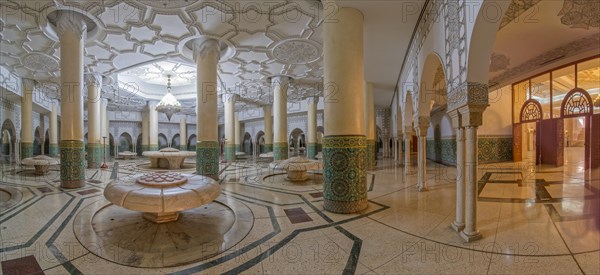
183,135
145,131
268,113
370,126
421,129
280,84
53,131
105,130
153,127
94,103
26,118
407,150
72,31
229,102
311,145
459,218
345,143
237,133
42,134
471,119
207,55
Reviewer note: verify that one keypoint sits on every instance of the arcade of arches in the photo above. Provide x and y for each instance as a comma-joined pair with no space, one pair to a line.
300,137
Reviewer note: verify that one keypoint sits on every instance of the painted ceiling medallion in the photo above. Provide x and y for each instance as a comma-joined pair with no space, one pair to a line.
40,62
499,62
297,51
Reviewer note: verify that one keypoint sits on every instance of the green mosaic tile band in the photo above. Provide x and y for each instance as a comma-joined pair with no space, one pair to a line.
145,148
371,155
230,152
94,155
183,147
153,147
490,149
207,158
72,163
311,150
344,182
53,150
280,150
268,148
26,150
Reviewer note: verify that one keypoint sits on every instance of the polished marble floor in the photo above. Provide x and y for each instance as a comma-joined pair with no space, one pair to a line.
533,220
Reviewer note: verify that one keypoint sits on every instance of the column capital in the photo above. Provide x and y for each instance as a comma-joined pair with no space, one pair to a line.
472,116
468,94
203,48
312,99
455,118
280,79
27,84
422,126
92,79
408,131
228,98
70,21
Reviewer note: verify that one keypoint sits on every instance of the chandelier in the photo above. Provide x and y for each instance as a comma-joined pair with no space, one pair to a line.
168,104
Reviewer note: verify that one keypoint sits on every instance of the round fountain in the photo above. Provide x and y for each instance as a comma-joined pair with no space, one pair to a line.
168,158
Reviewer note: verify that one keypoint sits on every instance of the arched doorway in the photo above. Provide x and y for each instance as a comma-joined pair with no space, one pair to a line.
37,142
125,142
8,135
247,144
163,142
294,142
525,139
191,144
175,141
260,141
138,145
46,143
111,145
576,111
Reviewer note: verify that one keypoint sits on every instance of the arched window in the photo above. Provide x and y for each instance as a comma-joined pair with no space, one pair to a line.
531,111
577,102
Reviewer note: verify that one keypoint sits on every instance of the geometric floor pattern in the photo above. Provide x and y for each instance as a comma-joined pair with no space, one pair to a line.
543,222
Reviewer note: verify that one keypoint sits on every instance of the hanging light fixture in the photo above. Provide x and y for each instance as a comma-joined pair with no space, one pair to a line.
168,104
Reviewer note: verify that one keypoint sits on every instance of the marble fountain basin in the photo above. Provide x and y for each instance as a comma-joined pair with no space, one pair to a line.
297,167
161,196
40,163
168,158
127,155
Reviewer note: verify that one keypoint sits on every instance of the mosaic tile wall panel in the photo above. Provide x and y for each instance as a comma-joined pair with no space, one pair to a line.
491,149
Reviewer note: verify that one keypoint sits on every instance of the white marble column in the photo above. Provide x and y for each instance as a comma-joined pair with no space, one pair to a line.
370,126
459,218
94,102
421,130
72,32
280,85
268,116
207,54
53,131
145,130
311,144
27,118
408,136
229,102
152,127
471,119
183,134
345,143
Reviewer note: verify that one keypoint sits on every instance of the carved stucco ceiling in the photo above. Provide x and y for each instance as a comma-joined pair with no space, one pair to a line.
267,37
535,34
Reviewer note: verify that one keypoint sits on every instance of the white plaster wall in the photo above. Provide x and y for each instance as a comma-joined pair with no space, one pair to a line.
497,118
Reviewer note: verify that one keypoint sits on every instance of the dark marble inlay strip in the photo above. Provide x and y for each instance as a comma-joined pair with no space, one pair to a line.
44,189
297,215
316,195
87,192
24,265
